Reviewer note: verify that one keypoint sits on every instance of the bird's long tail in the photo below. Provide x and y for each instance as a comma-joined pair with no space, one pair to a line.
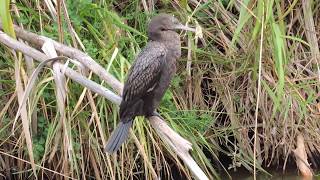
119,135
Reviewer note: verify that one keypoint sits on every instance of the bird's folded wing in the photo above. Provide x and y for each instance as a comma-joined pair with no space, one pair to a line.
145,71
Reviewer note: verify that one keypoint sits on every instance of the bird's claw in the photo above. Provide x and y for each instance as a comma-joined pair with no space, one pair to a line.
155,113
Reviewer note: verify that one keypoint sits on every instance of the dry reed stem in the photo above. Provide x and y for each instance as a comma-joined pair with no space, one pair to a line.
61,94
93,163
30,69
51,8
302,158
311,33
6,107
24,112
258,100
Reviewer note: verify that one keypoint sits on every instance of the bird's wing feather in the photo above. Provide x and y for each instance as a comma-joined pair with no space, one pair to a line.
145,71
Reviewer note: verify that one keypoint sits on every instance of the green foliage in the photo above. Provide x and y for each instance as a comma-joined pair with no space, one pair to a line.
196,122
40,139
4,131
6,18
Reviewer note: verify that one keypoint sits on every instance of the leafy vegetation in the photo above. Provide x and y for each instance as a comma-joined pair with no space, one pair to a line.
211,102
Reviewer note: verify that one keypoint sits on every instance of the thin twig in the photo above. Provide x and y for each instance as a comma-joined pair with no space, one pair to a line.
258,100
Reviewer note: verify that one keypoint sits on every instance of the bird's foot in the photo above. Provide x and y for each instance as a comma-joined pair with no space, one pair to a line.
155,113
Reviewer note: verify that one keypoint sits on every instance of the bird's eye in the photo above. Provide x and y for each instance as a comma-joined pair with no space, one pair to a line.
174,20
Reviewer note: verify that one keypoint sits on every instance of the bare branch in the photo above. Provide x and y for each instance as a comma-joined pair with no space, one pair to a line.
73,54
39,56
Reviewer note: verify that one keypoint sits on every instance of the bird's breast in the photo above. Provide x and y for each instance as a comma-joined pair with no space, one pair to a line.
170,68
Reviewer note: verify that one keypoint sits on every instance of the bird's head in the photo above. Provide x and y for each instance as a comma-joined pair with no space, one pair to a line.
163,23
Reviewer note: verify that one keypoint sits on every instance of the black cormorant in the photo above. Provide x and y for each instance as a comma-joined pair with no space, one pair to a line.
149,75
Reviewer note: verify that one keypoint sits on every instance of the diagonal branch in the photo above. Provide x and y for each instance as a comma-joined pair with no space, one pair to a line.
72,53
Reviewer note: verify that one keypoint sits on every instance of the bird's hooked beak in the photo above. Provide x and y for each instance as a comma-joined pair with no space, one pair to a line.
183,27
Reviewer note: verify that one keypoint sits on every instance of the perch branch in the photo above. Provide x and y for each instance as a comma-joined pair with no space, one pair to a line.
73,53
16,45
174,140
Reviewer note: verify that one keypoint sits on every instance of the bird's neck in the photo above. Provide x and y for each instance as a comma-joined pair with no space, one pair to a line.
171,41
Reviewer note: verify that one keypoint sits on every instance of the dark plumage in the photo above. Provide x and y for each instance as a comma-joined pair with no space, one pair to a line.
149,76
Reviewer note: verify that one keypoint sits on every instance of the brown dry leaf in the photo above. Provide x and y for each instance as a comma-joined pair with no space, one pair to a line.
24,112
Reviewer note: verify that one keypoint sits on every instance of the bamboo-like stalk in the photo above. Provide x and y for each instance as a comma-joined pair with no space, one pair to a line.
174,140
73,53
